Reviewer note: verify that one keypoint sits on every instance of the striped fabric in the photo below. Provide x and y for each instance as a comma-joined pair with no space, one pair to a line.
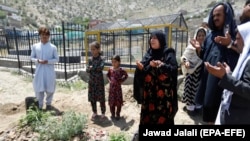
191,85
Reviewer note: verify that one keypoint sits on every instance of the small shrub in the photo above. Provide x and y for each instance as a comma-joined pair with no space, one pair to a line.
118,137
34,118
55,128
70,125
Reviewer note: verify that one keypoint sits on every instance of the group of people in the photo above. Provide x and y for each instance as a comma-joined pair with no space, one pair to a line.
209,86
116,76
207,63
44,55
222,94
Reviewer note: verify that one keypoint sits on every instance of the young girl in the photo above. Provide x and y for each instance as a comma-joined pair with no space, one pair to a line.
116,75
96,81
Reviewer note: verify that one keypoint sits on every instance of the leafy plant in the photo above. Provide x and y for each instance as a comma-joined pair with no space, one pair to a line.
55,128
34,118
118,137
70,125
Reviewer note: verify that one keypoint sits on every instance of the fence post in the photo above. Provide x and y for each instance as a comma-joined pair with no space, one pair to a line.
18,59
7,41
64,51
31,66
130,45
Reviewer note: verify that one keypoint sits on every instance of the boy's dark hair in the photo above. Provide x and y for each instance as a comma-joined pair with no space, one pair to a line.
116,57
43,30
95,44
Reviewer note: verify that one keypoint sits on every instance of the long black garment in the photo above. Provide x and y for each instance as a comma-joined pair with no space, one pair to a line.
156,88
209,92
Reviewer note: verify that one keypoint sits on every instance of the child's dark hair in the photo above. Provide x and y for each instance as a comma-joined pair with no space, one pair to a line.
43,30
116,57
96,45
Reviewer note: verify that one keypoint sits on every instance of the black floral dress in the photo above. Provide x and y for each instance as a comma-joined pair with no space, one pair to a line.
96,80
158,98
157,90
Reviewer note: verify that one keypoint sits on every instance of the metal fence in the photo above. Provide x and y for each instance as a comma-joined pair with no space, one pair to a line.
15,46
129,39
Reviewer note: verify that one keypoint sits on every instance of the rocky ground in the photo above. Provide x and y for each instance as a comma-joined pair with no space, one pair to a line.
14,88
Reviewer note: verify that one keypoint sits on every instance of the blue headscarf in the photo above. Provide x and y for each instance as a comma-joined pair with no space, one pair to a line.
229,21
229,25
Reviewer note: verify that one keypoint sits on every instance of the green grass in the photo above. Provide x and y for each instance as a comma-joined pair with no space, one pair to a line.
122,136
50,127
71,86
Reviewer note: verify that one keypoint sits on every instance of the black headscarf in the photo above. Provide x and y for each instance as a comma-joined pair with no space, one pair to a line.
151,54
155,54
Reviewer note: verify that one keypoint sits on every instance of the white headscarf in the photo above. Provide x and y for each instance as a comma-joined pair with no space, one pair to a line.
190,55
244,30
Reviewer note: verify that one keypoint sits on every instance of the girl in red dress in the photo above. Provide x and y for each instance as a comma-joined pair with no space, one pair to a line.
116,75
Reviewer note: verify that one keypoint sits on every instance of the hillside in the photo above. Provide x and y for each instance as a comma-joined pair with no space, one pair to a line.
51,12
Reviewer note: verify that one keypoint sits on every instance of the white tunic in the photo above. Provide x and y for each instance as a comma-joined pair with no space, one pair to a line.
45,76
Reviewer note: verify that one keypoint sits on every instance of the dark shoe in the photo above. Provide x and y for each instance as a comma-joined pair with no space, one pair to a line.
117,118
112,117
94,116
49,108
190,113
198,111
103,117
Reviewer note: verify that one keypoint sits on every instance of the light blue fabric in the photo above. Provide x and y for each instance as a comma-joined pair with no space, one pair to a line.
45,76
40,97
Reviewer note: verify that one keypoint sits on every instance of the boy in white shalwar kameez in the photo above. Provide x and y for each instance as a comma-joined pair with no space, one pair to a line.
44,55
